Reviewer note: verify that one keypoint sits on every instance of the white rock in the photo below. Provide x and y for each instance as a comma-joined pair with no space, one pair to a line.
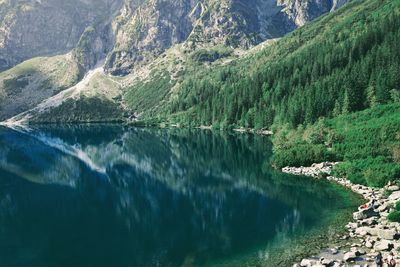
369,244
308,263
382,207
361,252
327,262
382,245
334,251
349,256
393,188
365,229
369,222
387,234
352,225
395,196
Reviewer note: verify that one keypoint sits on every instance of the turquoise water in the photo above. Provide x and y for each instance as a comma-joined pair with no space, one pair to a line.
117,196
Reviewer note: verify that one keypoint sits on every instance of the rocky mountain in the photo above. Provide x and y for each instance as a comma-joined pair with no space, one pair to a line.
31,28
125,37
145,29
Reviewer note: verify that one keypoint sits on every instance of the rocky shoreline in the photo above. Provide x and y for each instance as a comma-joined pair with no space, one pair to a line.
369,233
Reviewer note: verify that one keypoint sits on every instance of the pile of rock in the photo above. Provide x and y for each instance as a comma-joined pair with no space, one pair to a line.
369,233
314,171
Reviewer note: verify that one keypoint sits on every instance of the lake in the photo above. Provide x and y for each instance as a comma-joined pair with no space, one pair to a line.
107,195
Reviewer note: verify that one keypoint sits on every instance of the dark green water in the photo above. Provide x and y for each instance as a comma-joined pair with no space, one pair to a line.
110,196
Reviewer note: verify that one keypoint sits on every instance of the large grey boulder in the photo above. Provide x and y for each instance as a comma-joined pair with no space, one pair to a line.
308,263
365,214
327,262
383,245
366,230
388,234
395,196
393,188
349,256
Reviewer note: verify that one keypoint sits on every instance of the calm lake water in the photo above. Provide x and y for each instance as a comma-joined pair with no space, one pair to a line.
101,195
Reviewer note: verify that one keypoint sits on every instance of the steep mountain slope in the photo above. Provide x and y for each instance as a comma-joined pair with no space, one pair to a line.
145,29
27,84
137,37
30,28
343,62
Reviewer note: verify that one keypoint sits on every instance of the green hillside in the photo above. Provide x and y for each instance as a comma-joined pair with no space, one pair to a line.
335,67
27,84
343,62
366,142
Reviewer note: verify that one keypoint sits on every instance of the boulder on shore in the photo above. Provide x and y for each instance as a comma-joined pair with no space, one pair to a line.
388,234
383,245
349,256
365,214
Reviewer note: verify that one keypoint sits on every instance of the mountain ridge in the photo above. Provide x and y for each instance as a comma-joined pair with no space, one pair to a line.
133,35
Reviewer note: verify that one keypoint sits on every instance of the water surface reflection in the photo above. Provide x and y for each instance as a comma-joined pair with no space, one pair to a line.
114,196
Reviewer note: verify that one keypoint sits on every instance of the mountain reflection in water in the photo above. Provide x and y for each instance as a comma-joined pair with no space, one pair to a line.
116,196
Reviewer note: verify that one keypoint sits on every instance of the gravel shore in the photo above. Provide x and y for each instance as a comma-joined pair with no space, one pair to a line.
369,233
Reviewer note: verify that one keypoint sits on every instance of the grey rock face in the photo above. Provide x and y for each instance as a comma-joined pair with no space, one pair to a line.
30,28
93,46
145,29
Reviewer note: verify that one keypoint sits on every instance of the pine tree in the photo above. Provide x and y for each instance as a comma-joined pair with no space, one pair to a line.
346,103
371,96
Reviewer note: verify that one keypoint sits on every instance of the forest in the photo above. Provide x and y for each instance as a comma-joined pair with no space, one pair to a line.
329,91
342,63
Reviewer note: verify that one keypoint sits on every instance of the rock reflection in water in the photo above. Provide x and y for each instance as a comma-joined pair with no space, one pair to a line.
113,196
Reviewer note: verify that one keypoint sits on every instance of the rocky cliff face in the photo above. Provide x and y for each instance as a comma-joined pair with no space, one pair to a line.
30,28
145,29
298,12
126,35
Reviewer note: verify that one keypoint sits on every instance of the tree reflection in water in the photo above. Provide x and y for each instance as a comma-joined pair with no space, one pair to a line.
116,196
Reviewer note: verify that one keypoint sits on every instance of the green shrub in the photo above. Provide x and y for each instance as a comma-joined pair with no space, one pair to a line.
394,216
211,55
301,155
397,206
375,172
366,145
